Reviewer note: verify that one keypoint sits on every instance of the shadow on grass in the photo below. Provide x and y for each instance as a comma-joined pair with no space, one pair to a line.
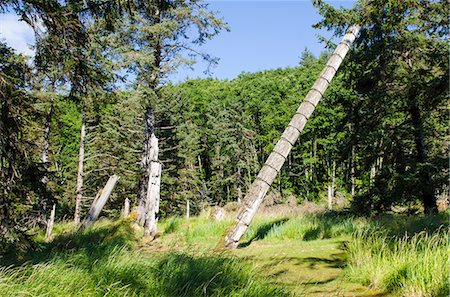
263,230
315,283
335,223
336,261
398,225
102,260
182,274
94,243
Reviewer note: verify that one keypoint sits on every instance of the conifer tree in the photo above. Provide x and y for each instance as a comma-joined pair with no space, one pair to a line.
399,71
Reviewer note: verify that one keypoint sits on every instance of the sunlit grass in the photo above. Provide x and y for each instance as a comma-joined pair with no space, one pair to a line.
107,260
409,265
407,256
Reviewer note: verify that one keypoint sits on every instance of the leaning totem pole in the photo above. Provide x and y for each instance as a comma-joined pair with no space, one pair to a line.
276,159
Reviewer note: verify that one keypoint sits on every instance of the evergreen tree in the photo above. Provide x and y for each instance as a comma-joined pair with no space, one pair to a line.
400,71
20,173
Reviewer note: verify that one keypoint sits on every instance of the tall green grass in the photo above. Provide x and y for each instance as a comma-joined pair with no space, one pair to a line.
132,273
108,259
404,255
304,228
203,229
407,265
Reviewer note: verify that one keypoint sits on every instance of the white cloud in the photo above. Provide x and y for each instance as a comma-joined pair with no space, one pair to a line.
17,34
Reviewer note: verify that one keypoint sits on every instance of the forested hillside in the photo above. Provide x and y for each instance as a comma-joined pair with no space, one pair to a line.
215,135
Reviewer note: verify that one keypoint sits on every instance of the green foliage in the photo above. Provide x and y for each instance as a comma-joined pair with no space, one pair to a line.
20,173
226,129
378,136
398,72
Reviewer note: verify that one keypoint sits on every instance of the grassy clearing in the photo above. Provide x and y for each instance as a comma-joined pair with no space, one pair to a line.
106,260
404,255
329,254
203,230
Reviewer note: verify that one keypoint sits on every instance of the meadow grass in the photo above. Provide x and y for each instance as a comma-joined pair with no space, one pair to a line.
279,256
203,229
108,260
413,264
405,255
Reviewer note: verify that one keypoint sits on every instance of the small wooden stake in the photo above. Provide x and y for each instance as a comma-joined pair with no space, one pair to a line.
330,197
50,222
187,209
126,208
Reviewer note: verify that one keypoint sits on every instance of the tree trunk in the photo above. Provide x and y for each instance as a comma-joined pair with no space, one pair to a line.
333,178
153,82
145,164
80,169
45,161
46,146
153,189
426,184
50,223
330,197
99,203
331,187
276,159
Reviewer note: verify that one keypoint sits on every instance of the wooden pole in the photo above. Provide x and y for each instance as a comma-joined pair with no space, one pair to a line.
352,171
80,169
126,208
145,165
187,209
269,171
330,197
153,190
99,203
332,186
48,233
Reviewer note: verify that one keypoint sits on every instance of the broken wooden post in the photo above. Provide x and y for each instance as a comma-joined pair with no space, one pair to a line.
187,209
330,197
269,171
51,220
126,208
153,190
99,203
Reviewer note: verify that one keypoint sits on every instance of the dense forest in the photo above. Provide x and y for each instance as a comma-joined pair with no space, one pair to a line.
379,137
91,101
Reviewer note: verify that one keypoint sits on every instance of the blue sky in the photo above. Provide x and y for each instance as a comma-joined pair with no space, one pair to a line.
264,35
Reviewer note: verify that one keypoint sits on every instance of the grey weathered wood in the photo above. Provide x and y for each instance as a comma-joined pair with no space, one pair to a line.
126,208
188,209
330,197
152,207
153,190
269,171
80,170
145,164
51,220
99,203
